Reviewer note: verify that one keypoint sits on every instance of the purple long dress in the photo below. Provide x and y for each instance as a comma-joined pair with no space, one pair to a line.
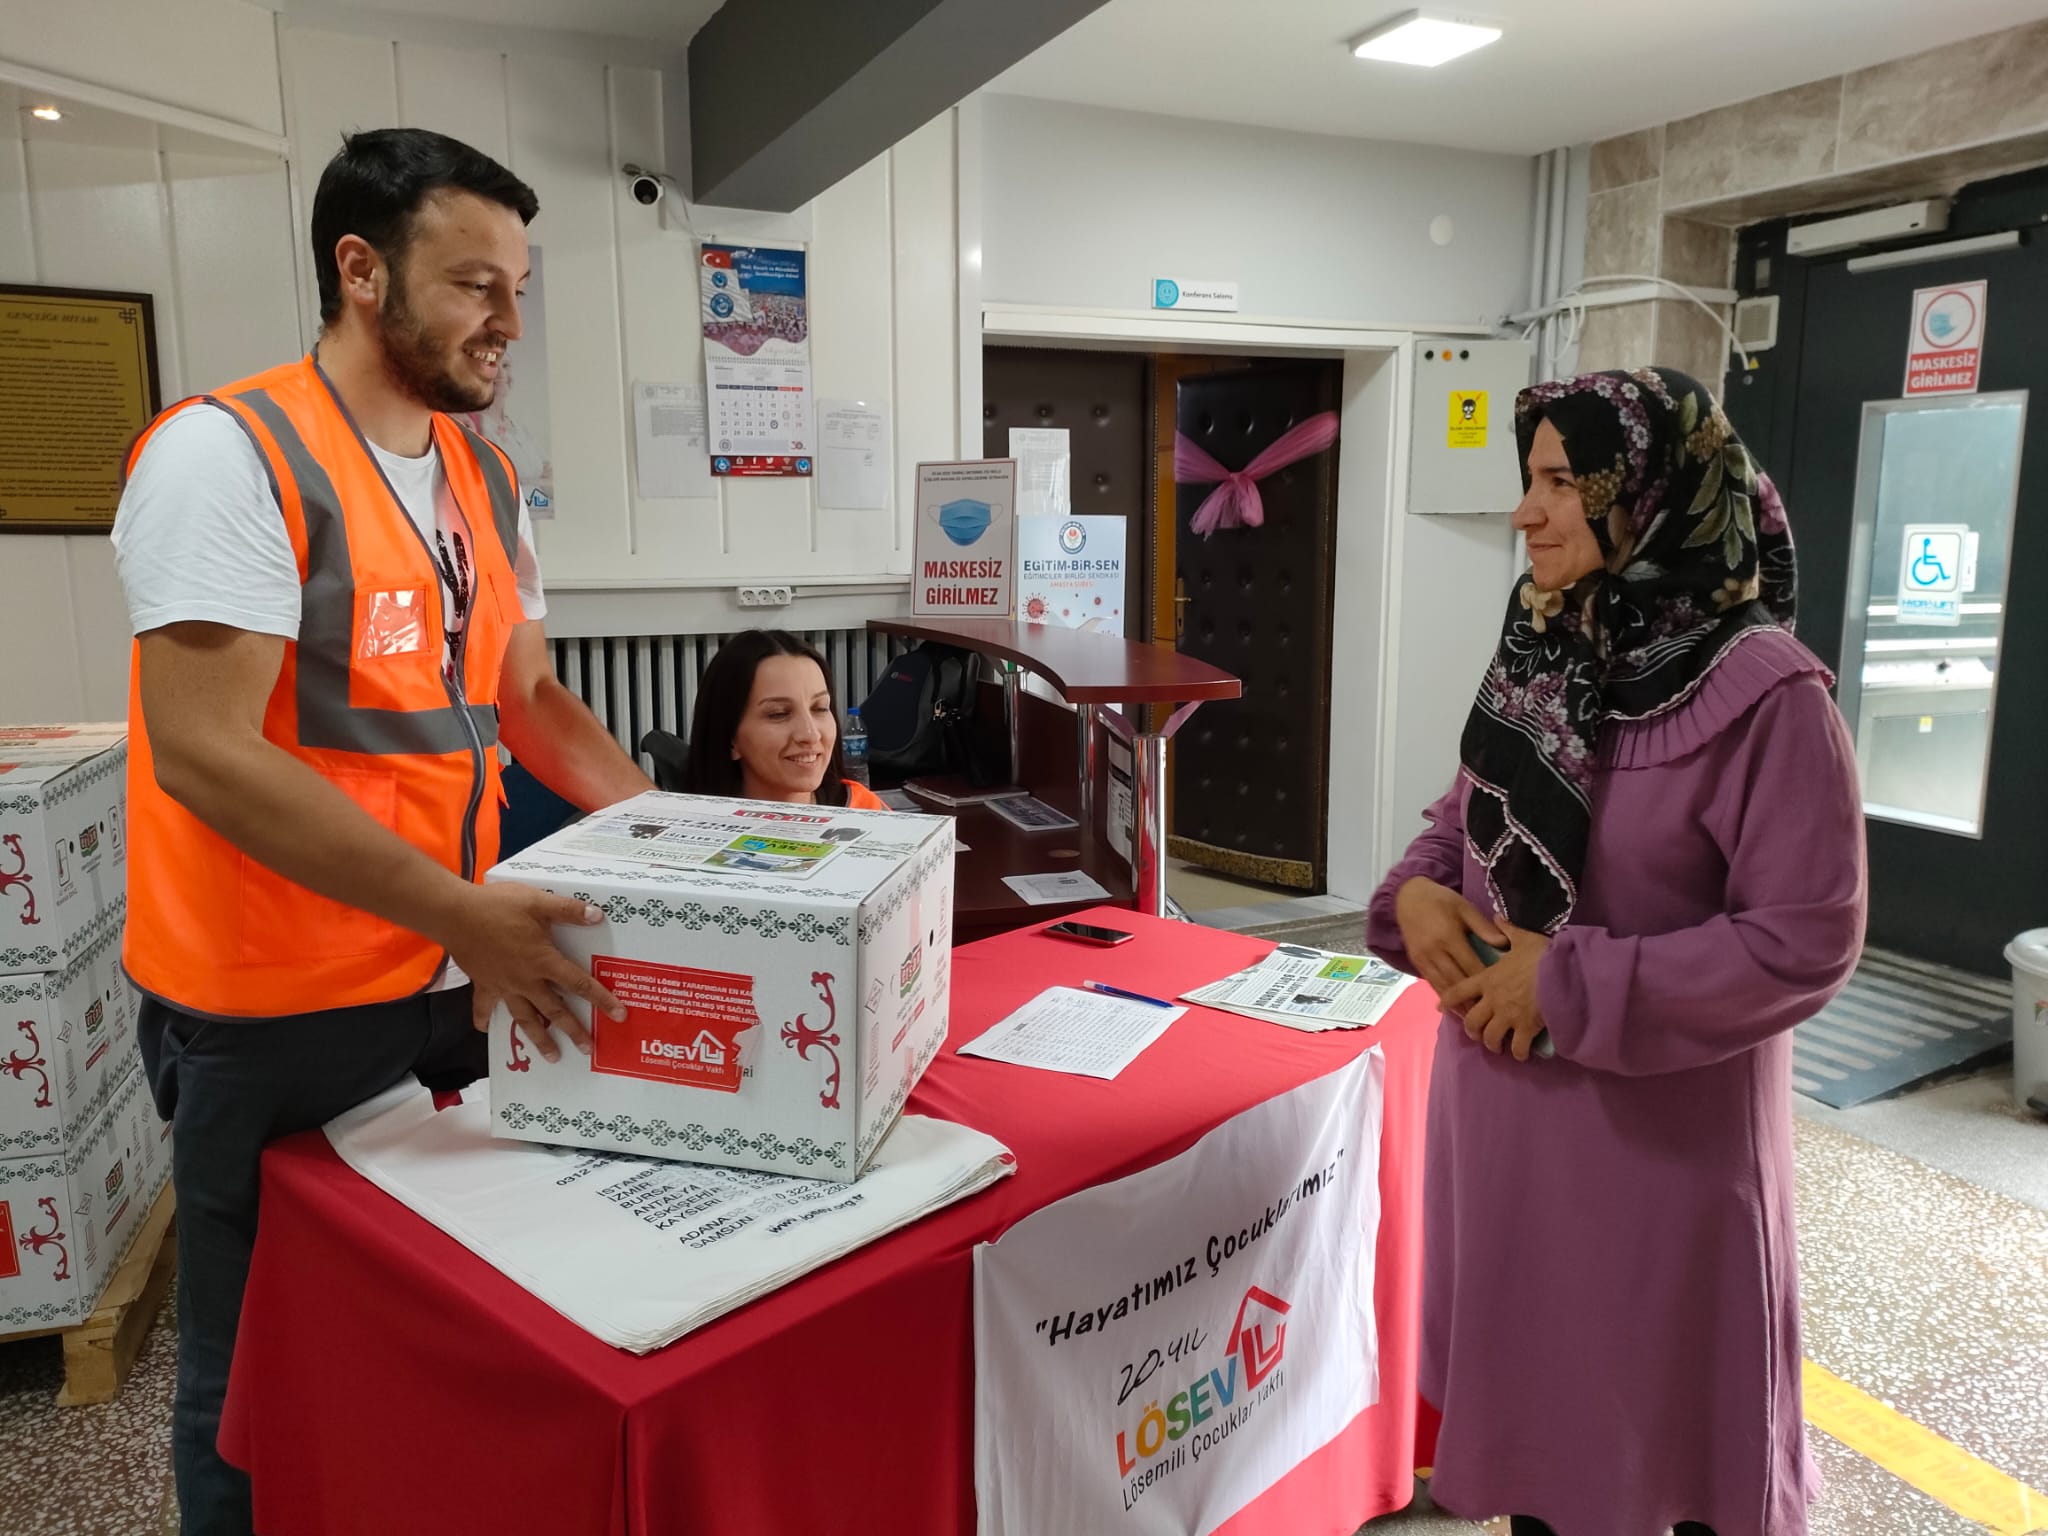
1611,1288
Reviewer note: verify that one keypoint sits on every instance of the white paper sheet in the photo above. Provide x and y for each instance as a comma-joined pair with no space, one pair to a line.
1064,1029
1049,890
853,454
1044,471
639,1251
670,441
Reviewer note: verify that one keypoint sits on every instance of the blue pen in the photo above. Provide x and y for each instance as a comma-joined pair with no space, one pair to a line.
1136,997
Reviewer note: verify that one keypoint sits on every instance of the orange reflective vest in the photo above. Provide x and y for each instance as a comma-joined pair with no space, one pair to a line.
361,699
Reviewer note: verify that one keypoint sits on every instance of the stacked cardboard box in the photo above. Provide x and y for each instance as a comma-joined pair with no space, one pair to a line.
82,1156
786,974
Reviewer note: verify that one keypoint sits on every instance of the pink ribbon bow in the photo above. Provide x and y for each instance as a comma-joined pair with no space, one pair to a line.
1235,503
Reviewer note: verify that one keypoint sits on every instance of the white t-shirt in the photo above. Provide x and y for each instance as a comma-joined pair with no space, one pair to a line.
198,534
199,537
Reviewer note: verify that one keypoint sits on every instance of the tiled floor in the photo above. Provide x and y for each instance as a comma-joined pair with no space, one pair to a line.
86,1471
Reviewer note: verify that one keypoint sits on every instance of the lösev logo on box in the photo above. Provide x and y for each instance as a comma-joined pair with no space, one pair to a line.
10,1256
682,1025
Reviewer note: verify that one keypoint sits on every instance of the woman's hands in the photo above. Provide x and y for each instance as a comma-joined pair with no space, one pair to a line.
1498,1004
1436,924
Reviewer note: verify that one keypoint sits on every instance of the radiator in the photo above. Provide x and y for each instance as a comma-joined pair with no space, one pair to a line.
639,683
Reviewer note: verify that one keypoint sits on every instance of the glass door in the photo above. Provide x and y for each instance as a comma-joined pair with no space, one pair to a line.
1936,484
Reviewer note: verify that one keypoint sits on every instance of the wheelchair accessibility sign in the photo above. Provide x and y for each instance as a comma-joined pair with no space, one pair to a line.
1931,573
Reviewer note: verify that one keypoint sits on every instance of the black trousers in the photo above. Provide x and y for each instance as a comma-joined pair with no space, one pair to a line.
229,1088
1529,1525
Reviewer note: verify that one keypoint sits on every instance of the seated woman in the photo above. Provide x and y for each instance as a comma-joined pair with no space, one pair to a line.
766,727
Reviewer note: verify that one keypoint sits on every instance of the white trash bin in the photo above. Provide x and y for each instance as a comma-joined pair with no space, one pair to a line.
2028,955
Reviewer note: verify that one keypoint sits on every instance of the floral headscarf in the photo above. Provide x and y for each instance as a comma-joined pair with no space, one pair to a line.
1698,558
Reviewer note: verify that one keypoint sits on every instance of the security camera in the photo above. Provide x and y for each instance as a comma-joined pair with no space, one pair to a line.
647,185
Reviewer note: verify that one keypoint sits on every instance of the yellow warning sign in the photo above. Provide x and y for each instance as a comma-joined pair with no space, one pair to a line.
1468,418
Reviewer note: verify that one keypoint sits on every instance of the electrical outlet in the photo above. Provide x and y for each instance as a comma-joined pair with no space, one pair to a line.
765,597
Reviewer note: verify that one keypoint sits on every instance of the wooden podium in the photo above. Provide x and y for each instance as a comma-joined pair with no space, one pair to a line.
1093,671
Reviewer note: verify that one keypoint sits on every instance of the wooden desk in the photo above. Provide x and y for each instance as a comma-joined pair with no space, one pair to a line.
1092,671
982,905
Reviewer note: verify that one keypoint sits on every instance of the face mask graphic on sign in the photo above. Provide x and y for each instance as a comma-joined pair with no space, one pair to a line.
965,520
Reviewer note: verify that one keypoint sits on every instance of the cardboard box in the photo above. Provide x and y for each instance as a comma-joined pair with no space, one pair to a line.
63,841
66,1221
67,1039
786,971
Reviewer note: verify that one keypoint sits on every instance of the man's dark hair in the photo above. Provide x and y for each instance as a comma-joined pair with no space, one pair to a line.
375,188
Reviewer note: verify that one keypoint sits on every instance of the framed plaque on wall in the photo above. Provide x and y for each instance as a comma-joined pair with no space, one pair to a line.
78,383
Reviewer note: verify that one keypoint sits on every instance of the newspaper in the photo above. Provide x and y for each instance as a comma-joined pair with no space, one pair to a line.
1309,989
713,843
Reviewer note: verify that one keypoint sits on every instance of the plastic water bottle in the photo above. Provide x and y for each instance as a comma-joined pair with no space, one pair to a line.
855,742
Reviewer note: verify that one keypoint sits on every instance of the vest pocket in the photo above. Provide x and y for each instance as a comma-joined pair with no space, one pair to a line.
395,621
284,923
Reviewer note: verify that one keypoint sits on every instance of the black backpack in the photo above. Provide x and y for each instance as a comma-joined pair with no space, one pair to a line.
920,716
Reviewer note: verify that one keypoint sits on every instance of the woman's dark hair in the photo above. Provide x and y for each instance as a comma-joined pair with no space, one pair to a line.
375,186
722,702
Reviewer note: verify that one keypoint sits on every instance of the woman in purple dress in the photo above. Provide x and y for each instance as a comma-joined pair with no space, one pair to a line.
1656,825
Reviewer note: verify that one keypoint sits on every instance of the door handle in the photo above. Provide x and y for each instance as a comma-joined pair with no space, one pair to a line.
1180,609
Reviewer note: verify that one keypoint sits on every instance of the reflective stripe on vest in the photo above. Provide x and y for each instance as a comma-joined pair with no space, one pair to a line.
327,610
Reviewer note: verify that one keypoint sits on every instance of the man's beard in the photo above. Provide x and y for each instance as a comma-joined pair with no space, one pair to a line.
417,364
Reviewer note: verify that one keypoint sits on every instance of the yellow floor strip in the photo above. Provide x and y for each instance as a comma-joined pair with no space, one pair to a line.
1974,1489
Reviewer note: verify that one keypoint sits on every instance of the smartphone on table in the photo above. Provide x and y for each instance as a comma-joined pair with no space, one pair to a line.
1089,933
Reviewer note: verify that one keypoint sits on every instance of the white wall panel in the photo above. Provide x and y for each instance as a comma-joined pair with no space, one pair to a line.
39,663
852,333
561,146
671,538
231,232
925,361
454,91
99,628
17,235
333,85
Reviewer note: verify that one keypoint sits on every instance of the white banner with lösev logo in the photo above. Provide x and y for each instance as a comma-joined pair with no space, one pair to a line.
1152,1355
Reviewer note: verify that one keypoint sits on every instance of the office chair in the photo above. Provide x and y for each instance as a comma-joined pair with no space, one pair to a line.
670,753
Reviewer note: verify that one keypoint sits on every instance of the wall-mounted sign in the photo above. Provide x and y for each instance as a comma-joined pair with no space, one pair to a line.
1070,572
966,544
1946,350
1933,573
1193,293
1467,419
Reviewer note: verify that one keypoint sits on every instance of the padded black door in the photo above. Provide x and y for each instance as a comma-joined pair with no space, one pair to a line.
1251,777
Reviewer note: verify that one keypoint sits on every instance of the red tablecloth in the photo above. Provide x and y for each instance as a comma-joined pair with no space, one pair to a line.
387,1380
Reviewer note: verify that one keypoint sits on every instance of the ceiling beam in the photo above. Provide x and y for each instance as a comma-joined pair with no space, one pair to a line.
787,97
